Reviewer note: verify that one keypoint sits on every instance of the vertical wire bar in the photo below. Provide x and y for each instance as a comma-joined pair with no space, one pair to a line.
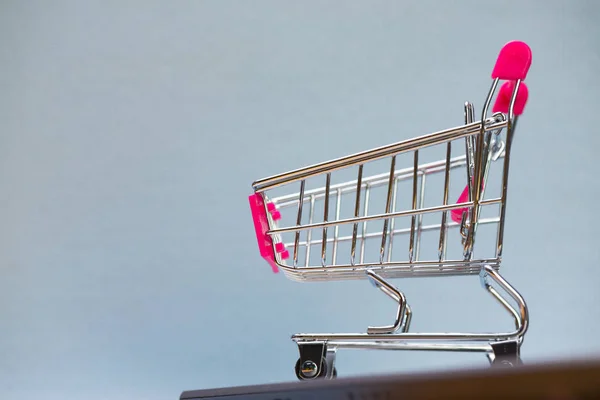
364,225
469,144
311,213
510,129
299,221
420,217
388,205
392,223
443,226
356,214
414,207
325,218
469,152
336,230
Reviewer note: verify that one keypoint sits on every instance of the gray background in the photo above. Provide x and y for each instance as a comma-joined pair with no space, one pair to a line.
130,132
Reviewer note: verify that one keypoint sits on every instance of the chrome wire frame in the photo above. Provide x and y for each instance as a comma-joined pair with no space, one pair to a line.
482,147
387,267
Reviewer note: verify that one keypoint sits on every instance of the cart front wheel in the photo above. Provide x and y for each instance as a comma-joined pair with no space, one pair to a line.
310,370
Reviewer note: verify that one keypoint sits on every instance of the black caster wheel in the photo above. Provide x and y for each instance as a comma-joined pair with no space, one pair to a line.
505,355
507,363
310,370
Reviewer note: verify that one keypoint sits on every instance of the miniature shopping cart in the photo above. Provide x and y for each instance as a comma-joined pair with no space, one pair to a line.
368,216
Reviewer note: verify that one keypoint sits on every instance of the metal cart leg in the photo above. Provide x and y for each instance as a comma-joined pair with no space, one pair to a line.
506,353
404,314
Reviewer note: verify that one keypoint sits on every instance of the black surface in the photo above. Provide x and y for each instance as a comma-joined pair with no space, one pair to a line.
565,380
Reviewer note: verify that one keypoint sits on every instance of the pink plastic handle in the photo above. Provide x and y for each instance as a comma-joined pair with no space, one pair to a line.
501,105
513,62
505,94
261,227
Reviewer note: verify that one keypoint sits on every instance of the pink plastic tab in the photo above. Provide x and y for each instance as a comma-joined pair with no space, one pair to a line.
505,94
261,226
457,213
275,214
279,247
513,62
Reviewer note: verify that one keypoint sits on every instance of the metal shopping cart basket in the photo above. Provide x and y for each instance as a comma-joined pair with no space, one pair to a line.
343,230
